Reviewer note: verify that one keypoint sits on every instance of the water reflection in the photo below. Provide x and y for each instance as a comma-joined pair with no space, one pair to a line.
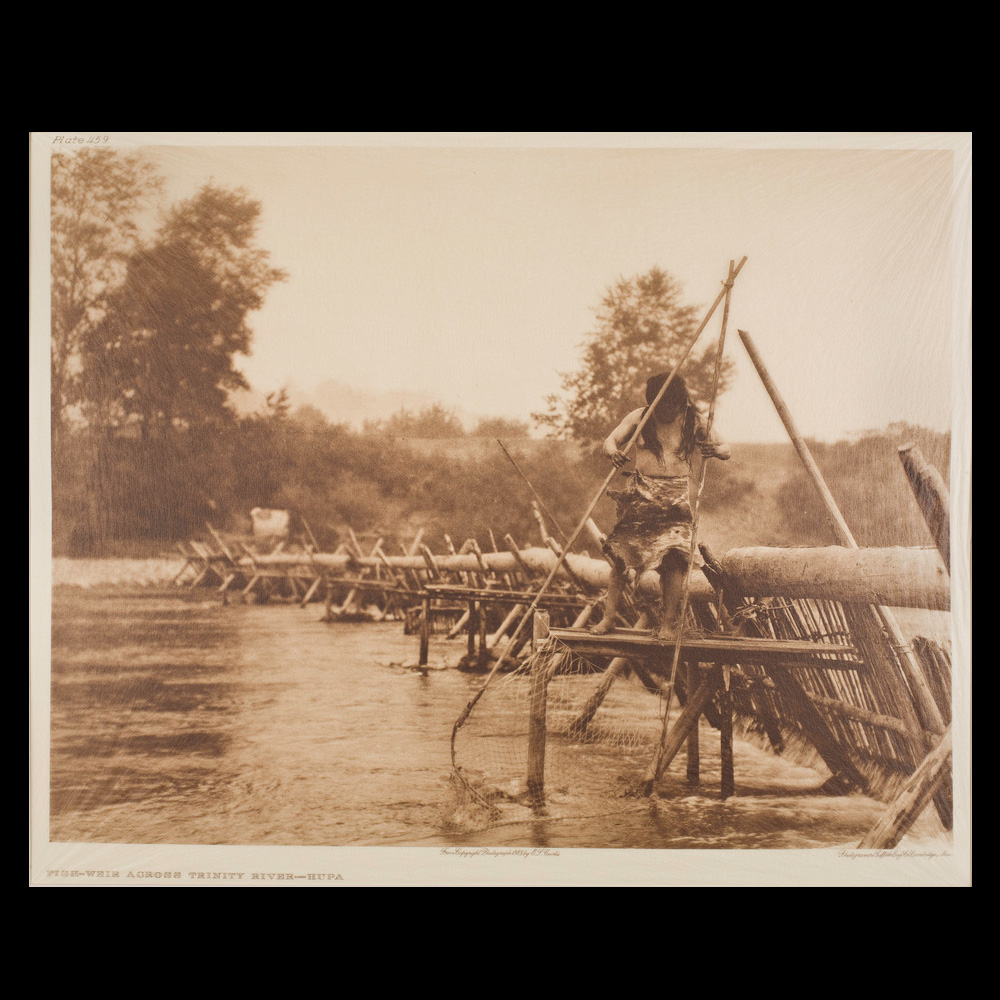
182,721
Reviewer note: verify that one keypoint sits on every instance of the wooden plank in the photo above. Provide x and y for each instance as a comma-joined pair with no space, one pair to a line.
313,587
431,562
484,652
633,642
890,576
557,549
515,551
220,543
897,576
188,561
308,531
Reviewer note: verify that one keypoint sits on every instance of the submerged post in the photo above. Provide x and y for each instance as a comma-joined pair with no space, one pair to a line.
537,716
425,631
470,644
693,743
484,650
728,779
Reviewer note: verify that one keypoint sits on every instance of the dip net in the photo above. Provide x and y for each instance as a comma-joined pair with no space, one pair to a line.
595,754
602,720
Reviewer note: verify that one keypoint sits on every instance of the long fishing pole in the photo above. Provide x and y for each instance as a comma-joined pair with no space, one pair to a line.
552,516
590,510
655,768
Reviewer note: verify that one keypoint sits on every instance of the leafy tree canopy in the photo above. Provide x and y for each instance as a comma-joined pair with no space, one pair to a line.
642,328
431,422
96,197
501,427
163,353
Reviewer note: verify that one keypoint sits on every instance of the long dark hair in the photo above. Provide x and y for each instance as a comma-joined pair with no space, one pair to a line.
676,402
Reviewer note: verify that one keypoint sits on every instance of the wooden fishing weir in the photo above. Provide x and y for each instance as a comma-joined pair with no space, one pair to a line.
793,647
792,643
460,591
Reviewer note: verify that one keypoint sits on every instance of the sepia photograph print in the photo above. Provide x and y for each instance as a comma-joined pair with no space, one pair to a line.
500,509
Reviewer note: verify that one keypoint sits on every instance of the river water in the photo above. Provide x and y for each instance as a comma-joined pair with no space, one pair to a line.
177,720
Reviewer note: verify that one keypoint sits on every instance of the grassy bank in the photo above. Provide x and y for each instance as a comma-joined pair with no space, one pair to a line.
136,498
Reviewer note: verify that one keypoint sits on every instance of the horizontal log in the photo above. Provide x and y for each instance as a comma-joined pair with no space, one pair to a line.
898,577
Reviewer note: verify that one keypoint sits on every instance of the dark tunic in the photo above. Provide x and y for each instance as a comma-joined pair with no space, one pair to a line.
654,519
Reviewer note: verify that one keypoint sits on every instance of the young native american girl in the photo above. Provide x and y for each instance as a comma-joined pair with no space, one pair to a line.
653,530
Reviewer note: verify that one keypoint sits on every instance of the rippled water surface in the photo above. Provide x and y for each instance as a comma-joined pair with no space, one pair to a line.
178,720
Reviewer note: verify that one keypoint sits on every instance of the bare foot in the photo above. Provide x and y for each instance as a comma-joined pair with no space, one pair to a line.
604,627
666,632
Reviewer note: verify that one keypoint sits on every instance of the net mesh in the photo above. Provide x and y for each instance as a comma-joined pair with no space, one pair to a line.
591,767
604,720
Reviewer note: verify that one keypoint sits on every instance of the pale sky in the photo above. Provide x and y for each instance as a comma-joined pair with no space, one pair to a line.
469,276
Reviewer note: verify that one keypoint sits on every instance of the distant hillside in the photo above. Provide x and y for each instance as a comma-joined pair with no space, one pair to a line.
120,495
486,448
759,497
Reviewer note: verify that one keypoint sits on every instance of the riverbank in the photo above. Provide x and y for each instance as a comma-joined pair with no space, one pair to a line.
88,573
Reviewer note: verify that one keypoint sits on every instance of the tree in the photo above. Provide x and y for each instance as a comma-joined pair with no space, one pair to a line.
642,328
501,427
96,197
163,354
431,422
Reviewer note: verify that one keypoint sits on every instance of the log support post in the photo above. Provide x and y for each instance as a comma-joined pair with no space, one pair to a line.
425,631
693,744
536,718
484,649
728,780
681,729
470,646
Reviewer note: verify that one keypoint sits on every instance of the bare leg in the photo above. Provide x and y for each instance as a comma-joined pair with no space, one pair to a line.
672,575
616,586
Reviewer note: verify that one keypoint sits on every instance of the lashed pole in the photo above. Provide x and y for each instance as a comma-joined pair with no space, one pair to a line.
656,765
534,492
932,497
917,682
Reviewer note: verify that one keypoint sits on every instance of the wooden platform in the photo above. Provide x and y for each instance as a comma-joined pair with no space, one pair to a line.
636,644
